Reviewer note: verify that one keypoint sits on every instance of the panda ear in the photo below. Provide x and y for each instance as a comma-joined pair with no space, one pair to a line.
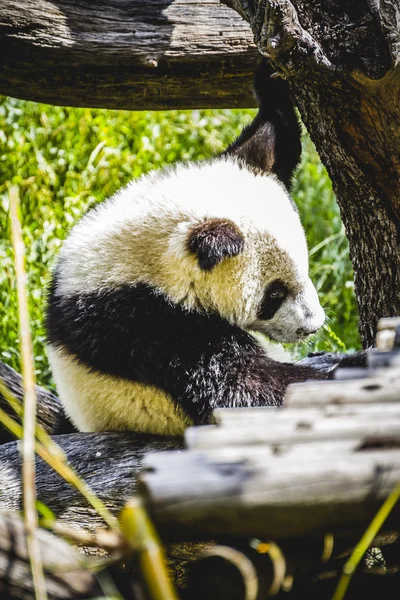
213,240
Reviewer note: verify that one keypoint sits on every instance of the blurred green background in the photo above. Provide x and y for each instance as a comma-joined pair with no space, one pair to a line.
64,160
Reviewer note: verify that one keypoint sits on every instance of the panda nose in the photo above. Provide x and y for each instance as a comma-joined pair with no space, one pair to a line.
301,332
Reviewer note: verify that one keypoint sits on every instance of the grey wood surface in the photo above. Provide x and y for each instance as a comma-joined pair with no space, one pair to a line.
141,54
195,494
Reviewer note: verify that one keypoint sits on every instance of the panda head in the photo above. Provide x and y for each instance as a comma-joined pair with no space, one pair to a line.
211,237
239,250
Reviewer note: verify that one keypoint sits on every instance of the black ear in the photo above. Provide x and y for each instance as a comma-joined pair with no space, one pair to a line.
213,240
272,142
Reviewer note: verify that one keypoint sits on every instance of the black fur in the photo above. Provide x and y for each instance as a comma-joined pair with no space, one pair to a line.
270,304
272,142
328,361
200,359
213,240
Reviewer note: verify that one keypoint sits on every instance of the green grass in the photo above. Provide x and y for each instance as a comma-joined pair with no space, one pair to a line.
65,160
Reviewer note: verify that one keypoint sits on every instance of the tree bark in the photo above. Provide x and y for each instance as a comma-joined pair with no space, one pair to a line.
142,55
108,462
341,60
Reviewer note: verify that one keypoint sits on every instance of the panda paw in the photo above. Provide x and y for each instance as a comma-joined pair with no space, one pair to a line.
330,361
271,90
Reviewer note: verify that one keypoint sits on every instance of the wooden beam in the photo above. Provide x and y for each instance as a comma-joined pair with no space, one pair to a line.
287,427
203,495
141,55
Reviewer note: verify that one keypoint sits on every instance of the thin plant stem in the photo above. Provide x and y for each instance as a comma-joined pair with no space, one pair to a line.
365,542
141,536
29,386
40,433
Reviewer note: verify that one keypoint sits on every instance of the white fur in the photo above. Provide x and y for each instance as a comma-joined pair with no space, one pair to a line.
111,245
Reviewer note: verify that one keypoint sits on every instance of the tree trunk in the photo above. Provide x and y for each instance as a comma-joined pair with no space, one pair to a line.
142,55
341,60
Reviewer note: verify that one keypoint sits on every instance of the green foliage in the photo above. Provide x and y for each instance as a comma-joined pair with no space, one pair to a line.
65,160
330,266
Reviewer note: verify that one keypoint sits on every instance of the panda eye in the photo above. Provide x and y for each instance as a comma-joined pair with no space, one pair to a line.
274,296
277,293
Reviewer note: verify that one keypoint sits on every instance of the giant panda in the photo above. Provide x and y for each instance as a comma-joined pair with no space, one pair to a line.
158,290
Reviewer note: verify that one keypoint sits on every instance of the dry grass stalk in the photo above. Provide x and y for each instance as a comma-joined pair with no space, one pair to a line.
28,372
142,538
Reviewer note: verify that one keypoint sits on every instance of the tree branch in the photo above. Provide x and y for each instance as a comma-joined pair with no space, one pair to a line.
142,55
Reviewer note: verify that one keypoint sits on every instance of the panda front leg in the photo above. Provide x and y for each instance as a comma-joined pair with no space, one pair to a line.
247,377
330,361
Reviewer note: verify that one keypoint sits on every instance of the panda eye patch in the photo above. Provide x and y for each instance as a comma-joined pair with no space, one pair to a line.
273,299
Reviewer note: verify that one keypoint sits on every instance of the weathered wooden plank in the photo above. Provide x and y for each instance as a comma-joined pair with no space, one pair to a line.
269,415
385,339
300,430
369,390
142,55
388,333
65,572
389,323
309,452
192,495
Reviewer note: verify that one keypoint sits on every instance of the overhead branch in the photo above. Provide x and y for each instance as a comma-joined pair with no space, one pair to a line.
146,55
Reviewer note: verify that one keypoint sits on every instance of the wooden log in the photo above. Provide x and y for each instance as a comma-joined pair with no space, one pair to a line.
66,571
50,413
359,391
277,428
231,417
142,55
191,495
108,462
